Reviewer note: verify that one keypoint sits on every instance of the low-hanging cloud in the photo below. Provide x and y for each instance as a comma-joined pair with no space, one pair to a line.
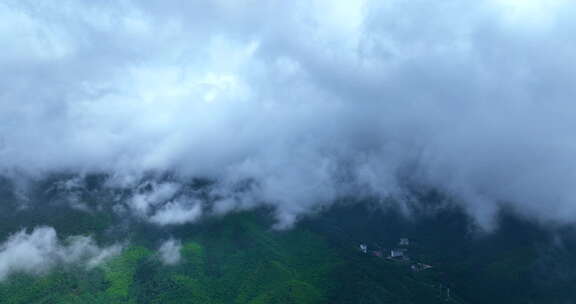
170,252
303,102
40,250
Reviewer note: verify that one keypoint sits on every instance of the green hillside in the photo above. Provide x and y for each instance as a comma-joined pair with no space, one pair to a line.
238,259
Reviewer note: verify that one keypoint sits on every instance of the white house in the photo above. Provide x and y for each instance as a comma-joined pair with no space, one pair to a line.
396,253
404,242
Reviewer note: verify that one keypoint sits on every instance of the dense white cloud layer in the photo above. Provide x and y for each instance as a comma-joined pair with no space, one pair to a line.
309,100
39,251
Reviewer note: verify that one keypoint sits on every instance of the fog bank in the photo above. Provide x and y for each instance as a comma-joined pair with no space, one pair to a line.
297,103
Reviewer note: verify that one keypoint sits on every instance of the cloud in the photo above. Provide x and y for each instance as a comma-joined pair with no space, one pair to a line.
177,212
162,203
143,201
305,101
40,250
170,252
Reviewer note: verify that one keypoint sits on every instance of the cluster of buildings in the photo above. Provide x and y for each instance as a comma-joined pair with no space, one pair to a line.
399,253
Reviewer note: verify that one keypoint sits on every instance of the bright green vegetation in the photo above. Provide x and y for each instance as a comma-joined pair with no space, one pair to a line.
239,259
119,274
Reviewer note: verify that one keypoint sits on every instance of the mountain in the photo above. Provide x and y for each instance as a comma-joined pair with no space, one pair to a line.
241,258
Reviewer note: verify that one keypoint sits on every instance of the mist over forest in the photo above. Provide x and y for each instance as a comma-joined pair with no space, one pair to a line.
173,151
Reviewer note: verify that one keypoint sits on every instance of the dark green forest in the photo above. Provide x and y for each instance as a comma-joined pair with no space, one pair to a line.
240,258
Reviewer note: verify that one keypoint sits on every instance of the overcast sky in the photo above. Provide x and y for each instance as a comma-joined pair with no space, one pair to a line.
312,100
